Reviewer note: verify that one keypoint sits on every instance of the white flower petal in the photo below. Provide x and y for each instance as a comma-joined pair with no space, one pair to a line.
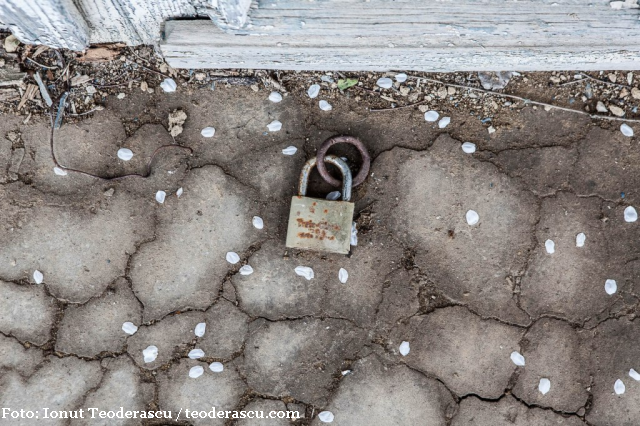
401,78
200,329
129,328
304,271
290,150
313,91
431,115
580,239
404,348
345,372
38,277
179,192
208,132
275,97
246,270
354,234
469,147
258,223
232,257
150,354
325,106
125,154
444,122
634,374
169,85
626,130
517,358
343,275
544,386
472,217
630,214
196,353
385,82
274,126
59,171
610,286
550,246
216,367
196,371
325,416
160,196
333,196
619,387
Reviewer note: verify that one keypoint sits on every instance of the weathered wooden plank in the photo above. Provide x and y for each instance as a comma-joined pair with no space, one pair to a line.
379,35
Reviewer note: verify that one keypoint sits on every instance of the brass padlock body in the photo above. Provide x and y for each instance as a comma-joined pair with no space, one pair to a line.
322,225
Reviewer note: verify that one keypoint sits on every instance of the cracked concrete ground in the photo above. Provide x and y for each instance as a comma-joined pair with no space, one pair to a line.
464,297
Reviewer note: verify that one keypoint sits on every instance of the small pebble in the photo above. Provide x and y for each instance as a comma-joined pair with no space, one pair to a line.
384,82
274,126
626,130
314,91
517,358
125,154
129,327
333,196
232,257
343,275
472,217
196,353
618,387
275,97
196,371
208,132
491,129
150,354
630,214
59,171
401,78
258,223
91,90
580,239
354,234
304,271
600,107
469,147
610,286
404,348
200,329
216,367
169,85
544,386
246,270
550,246
325,106
431,116
38,277
160,196
121,95
325,416
290,150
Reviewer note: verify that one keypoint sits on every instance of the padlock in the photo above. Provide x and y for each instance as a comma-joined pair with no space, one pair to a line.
322,225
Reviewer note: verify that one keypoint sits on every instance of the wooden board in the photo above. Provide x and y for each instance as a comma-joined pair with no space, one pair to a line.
379,35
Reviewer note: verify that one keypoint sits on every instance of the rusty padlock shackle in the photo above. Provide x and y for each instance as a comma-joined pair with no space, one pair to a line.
347,180
364,154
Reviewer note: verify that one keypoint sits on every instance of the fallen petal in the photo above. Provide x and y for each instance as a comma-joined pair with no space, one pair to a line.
150,354
313,91
246,270
38,277
274,126
169,85
290,150
550,246
233,257
580,239
196,371
354,234
333,196
125,154
325,106
619,387
160,196
472,217
304,271
468,147
59,171
179,192
626,130
325,416
257,222
196,353
444,122
275,97
401,78
208,132
200,329
385,82
129,327
404,348
431,115
634,374
343,275
517,358
544,386
610,286
630,214
216,367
